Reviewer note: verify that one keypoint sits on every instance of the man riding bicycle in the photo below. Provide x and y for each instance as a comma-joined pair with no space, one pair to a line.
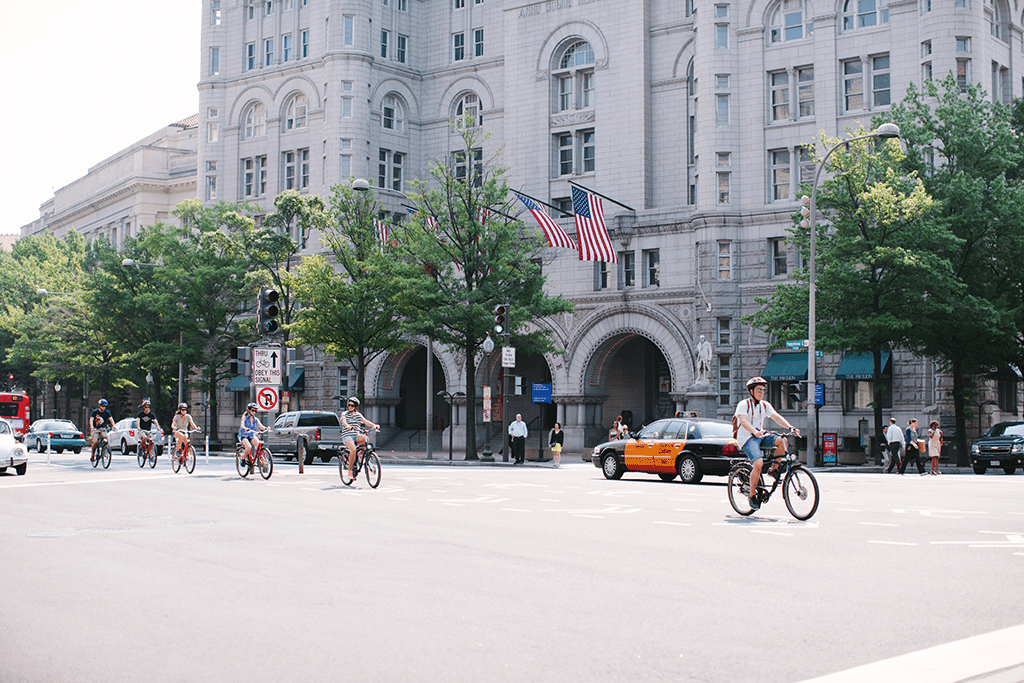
249,429
181,425
100,419
352,420
147,420
750,435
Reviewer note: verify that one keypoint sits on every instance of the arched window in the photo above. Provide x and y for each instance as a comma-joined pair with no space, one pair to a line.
864,14
994,16
295,112
254,121
574,77
787,22
392,116
467,111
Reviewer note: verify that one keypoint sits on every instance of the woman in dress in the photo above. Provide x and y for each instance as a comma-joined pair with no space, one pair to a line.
557,439
934,445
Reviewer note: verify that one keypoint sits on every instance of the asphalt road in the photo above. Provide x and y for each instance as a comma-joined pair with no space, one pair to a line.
501,574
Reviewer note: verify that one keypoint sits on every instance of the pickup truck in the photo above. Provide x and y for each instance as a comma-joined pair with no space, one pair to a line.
306,434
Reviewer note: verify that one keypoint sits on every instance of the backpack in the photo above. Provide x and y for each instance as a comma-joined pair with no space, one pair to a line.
736,421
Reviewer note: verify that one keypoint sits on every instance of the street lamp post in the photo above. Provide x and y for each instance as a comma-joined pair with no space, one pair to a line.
56,398
886,130
451,421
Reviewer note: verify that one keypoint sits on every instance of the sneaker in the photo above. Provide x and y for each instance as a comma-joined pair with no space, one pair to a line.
754,503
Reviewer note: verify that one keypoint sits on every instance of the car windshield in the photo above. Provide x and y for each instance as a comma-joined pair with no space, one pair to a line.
53,427
1008,430
5,428
715,430
653,430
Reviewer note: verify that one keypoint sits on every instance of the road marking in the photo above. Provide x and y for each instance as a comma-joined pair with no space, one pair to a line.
773,533
891,543
686,510
89,481
615,509
53,534
673,523
478,499
876,524
516,510
849,510
1013,540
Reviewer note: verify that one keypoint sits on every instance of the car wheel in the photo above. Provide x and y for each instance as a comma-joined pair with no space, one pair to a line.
39,446
326,456
124,447
1009,469
610,466
59,450
689,470
77,450
303,453
666,476
21,469
979,469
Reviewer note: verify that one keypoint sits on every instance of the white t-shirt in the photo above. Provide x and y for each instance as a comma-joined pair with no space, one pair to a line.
756,415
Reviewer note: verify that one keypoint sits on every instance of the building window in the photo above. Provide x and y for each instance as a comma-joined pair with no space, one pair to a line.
724,260
777,263
254,176
250,56
725,380
780,174
880,94
212,131
652,267
721,81
459,163
268,52
289,171
214,61
565,149
926,48
459,4
467,111
926,71
392,114
853,85
725,331
286,47
215,12
587,141
384,37
807,165
963,44
627,269
304,47
721,36
345,170
346,107
600,275
858,394
864,14
805,90
478,42
261,175
574,77
401,47
724,159
459,46
721,110
787,22
248,177
211,188
780,95
397,159
1007,389
403,5
349,30
963,73
295,113
723,187
304,169
994,18
254,121
268,7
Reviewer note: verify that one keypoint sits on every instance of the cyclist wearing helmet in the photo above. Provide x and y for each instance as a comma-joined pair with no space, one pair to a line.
750,434
100,420
181,424
352,420
249,429
147,420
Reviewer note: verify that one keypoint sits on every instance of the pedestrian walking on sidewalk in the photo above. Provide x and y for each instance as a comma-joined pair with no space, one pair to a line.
894,437
934,445
912,449
517,432
556,442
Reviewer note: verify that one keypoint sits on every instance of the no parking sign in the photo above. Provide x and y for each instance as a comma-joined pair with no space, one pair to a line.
266,398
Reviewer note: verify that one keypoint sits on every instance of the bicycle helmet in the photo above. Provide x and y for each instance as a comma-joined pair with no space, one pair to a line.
144,404
250,406
182,405
353,401
103,401
754,381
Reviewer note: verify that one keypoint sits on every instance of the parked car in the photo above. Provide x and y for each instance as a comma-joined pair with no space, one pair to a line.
306,434
63,435
125,436
13,453
1003,446
687,447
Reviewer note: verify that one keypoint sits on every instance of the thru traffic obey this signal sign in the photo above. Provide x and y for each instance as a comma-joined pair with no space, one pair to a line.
266,366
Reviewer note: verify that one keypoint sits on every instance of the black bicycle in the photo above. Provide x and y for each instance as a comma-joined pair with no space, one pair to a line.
799,487
101,451
366,460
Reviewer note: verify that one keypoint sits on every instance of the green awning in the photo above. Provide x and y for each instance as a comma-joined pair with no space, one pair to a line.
786,367
860,366
297,380
238,383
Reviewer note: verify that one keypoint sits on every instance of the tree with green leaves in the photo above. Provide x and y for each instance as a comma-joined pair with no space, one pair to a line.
965,149
877,267
462,256
350,307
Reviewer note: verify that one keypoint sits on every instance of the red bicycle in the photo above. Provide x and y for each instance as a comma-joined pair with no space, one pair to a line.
147,452
185,455
262,458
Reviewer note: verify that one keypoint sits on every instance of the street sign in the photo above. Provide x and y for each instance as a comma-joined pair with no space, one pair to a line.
266,366
266,398
541,393
508,356
796,343
819,394
487,404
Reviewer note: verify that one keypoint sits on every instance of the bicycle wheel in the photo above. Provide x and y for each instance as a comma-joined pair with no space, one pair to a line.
152,456
141,455
190,460
266,463
372,465
343,469
241,464
176,459
739,489
96,452
106,455
800,489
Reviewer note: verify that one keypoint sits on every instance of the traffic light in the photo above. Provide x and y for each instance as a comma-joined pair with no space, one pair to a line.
797,392
266,313
240,359
500,318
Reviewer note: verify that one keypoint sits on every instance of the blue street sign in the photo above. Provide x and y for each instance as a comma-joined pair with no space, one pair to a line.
541,393
819,394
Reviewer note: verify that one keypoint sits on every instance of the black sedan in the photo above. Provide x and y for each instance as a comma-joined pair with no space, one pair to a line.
685,447
1003,446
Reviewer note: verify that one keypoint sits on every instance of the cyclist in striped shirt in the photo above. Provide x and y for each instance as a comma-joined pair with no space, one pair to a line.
353,420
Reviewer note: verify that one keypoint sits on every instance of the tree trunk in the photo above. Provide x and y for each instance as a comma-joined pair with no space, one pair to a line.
470,404
959,410
213,423
877,407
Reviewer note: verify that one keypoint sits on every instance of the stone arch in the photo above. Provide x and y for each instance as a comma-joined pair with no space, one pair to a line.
460,86
301,84
684,56
253,92
393,85
572,29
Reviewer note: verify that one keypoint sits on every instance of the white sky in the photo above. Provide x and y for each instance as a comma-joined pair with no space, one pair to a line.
84,81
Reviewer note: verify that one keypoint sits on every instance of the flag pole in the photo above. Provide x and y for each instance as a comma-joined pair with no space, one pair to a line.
550,206
603,196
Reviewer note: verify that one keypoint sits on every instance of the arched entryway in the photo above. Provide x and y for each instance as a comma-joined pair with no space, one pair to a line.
635,378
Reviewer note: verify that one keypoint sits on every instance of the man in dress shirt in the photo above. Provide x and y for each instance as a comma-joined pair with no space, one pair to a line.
517,432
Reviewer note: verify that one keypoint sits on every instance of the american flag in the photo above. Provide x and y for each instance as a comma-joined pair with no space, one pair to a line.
552,230
381,227
595,244
429,222
482,214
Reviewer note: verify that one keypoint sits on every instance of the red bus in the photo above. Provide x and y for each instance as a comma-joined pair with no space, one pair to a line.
14,409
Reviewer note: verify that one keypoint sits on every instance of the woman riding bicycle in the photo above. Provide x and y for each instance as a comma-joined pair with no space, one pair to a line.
750,435
181,425
353,420
249,429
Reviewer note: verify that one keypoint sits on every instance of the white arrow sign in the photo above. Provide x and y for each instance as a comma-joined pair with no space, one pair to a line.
266,366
